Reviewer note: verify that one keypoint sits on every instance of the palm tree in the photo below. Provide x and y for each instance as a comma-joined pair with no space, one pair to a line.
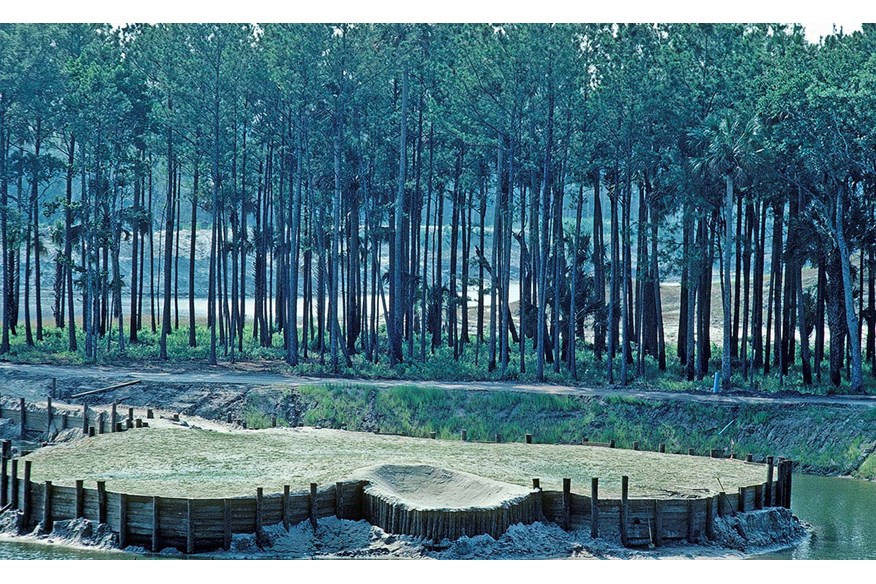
729,147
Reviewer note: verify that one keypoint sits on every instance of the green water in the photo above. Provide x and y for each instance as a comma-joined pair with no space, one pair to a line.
842,513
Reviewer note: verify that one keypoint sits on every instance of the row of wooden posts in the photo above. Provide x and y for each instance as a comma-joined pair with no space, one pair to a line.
45,422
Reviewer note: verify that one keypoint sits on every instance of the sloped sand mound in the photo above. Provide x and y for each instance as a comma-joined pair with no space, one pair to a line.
425,488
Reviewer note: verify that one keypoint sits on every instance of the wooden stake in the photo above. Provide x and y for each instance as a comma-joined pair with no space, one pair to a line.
23,418
101,501
27,504
4,481
625,493
123,520
768,489
156,514
594,507
662,448
313,505
636,445
13,499
47,507
285,507
259,517
464,435
113,427
529,438
79,510
658,522
567,504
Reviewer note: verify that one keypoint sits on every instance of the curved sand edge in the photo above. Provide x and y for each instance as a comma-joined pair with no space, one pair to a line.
424,487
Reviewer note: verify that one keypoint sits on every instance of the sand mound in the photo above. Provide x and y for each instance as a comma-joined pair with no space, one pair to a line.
425,488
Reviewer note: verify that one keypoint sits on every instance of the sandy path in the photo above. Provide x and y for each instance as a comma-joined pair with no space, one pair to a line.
221,375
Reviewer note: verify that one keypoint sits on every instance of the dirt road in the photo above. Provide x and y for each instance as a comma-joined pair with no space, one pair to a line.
42,375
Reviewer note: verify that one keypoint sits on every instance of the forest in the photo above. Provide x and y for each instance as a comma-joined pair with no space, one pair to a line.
520,200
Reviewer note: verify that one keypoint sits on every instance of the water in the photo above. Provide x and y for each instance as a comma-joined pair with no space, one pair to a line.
841,511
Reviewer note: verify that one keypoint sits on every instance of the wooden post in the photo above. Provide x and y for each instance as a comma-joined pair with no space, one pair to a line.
433,435
101,501
661,448
625,495
741,505
498,438
529,438
4,481
636,445
156,514
113,417
128,424
150,414
722,504
710,519
273,420
123,520
786,483
716,453
537,499
690,521
313,505
758,497
27,503
91,432
779,495
6,448
594,507
226,524
13,496
464,435
131,415
567,504
658,522
138,423
65,420
190,526
228,417
768,490
118,427
339,500
100,417
79,511
85,419
285,507
259,518
691,452
47,507
749,458
611,443
49,413
23,417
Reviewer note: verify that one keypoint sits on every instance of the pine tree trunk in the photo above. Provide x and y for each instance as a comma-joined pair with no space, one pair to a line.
856,381
728,248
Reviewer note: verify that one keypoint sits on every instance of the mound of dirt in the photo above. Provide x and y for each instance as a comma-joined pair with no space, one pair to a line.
425,487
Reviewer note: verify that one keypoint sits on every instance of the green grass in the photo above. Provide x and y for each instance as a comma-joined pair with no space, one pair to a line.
186,462
823,439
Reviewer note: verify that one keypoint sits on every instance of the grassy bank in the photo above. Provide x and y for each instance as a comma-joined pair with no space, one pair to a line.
822,439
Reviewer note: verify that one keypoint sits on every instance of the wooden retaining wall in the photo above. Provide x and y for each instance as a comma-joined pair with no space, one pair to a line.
193,525
44,421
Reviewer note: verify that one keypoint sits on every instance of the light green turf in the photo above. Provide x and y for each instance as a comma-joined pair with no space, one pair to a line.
186,462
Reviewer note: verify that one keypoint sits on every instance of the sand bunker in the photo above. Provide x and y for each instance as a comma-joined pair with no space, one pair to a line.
425,487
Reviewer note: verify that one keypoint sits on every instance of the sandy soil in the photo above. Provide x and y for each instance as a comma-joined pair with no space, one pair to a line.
177,461
425,487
